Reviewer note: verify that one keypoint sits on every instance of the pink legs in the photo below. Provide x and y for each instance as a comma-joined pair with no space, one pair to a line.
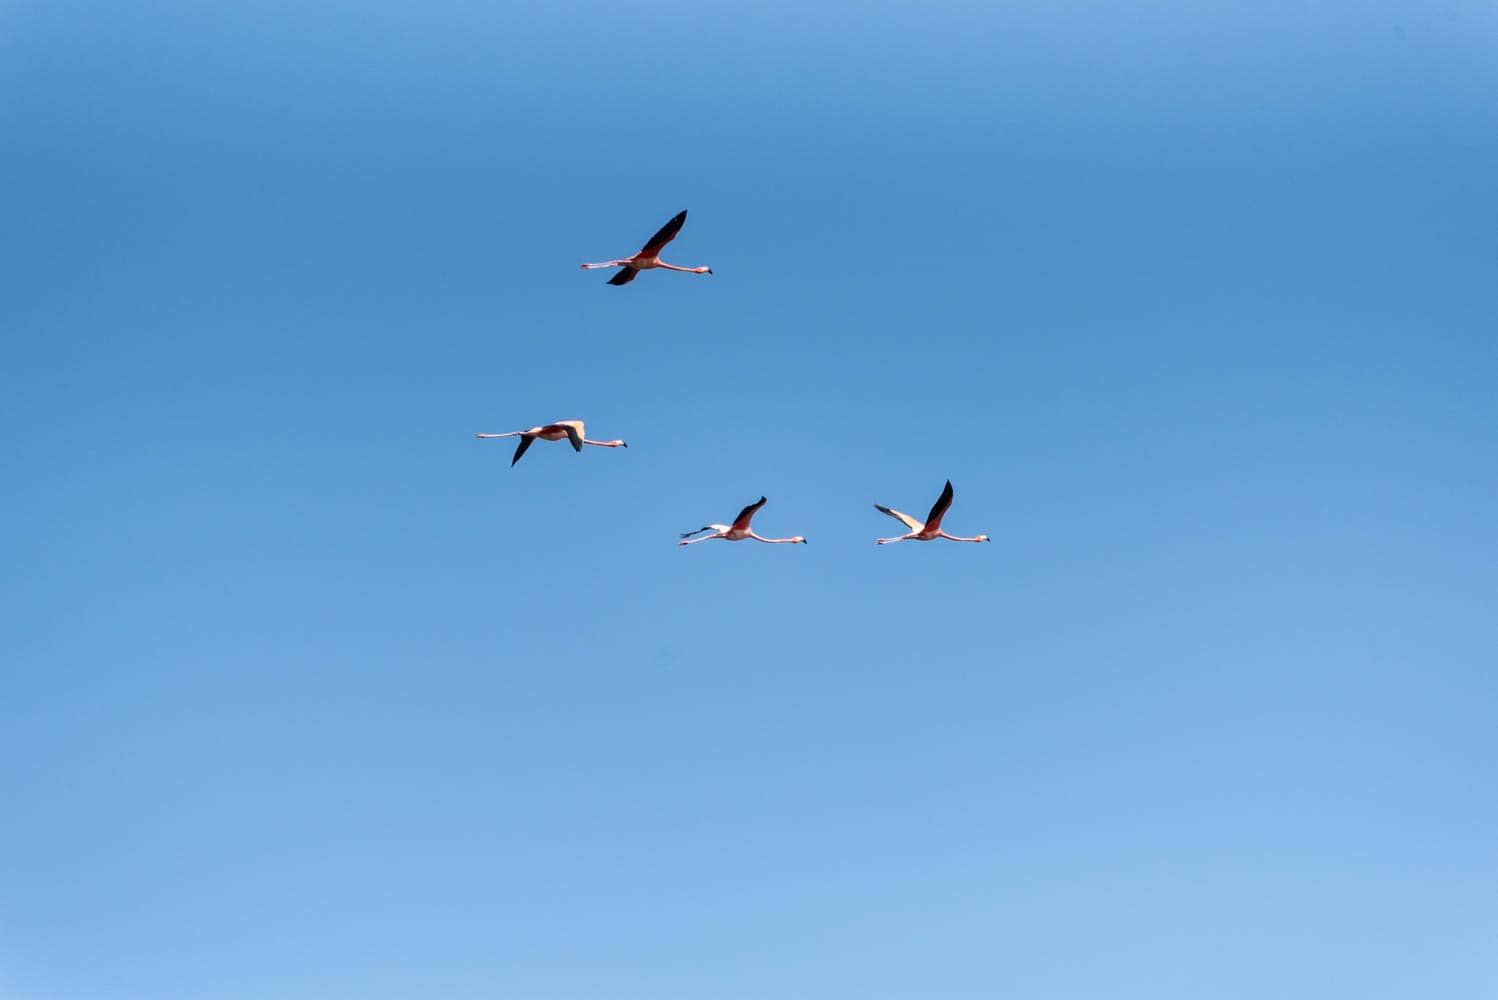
704,538
508,434
608,263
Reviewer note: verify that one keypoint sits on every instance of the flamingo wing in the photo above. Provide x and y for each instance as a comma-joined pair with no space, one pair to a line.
624,277
574,430
667,233
741,523
906,519
939,509
525,442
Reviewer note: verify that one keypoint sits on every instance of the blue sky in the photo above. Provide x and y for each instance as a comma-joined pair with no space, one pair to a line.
308,694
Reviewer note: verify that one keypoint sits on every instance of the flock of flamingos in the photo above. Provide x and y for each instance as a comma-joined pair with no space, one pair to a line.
572,430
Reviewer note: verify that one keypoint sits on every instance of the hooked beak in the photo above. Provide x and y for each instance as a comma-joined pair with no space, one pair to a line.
709,270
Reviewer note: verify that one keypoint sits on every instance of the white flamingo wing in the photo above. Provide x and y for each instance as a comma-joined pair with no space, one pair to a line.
905,519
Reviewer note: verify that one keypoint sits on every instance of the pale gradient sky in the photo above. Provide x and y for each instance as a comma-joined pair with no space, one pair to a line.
308,695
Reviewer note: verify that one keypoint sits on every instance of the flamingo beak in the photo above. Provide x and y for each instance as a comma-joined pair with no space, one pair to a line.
709,270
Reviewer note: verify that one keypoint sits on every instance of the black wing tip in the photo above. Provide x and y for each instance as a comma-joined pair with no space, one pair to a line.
665,234
520,449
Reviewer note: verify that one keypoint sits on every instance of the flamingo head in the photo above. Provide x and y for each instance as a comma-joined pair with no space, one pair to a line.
984,538
618,444
704,270
798,538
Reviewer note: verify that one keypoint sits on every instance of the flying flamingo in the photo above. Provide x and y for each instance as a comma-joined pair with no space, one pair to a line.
572,430
737,531
932,528
649,255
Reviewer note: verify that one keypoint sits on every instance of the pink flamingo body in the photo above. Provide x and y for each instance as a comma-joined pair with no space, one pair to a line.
930,529
738,530
572,430
650,255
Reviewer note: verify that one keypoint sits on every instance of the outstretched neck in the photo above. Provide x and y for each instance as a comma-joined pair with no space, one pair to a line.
955,538
777,541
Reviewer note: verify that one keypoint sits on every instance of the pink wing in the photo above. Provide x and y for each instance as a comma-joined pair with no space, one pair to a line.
741,523
939,509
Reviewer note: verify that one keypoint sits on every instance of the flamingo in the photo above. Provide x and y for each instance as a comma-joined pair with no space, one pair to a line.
738,530
572,430
932,528
649,255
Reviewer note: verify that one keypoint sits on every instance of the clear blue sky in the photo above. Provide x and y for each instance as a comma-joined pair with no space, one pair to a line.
307,694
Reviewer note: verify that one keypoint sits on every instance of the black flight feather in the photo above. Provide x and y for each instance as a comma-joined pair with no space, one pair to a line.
942,503
667,233
525,442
